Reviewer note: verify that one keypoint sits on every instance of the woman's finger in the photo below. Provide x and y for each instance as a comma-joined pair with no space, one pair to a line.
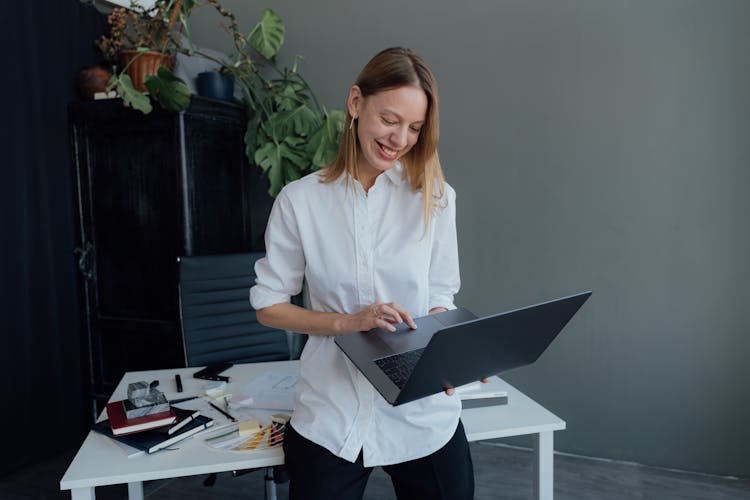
381,323
405,316
392,312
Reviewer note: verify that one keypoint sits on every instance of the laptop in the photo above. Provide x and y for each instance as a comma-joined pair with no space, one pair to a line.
455,347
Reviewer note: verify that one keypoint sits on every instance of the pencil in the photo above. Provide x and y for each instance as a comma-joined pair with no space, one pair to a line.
230,417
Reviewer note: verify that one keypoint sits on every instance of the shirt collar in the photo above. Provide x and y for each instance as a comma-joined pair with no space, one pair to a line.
396,173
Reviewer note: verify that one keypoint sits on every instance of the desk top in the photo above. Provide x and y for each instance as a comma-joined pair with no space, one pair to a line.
100,461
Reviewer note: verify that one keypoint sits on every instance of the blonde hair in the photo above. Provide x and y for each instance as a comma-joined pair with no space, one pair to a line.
389,69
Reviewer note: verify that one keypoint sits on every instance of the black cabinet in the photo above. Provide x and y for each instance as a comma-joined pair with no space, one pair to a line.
148,189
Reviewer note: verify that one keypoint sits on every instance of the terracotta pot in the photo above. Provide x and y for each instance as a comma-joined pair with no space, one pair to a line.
91,80
147,63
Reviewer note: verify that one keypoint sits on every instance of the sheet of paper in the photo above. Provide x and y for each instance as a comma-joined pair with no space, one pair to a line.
273,390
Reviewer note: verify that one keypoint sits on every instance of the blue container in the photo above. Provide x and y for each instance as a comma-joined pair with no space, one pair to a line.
215,85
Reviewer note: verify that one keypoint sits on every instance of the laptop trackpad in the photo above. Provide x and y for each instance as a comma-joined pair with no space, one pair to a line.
404,339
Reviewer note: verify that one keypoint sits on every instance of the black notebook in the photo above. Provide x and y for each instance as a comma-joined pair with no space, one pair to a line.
154,440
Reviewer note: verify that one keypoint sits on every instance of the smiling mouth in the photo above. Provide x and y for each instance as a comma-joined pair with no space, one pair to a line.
388,152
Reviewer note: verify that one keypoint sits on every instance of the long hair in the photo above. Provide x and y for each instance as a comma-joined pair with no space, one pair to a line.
389,69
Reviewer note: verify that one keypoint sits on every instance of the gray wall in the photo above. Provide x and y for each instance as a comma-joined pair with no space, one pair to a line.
594,145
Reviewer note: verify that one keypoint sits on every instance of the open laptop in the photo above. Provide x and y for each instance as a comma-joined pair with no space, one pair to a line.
455,347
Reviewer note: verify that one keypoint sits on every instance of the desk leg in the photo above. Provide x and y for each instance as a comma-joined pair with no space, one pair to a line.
543,466
82,494
135,490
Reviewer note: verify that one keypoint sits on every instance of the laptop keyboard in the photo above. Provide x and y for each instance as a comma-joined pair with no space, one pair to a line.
398,367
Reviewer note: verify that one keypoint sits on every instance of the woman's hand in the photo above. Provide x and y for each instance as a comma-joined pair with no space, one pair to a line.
450,390
379,315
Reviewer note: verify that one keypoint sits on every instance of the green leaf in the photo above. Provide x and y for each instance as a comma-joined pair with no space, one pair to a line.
291,173
289,150
130,96
300,121
268,158
304,120
282,162
169,89
324,143
280,125
286,99
268,35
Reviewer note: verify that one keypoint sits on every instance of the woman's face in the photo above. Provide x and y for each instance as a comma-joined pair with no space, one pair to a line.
388,125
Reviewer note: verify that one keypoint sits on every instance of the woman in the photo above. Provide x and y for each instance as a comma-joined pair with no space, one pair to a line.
374,236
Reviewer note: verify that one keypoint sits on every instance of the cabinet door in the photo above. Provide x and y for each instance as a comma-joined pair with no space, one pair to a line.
217,211
151,188
128,180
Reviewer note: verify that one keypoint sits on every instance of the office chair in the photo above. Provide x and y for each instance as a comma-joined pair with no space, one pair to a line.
218,324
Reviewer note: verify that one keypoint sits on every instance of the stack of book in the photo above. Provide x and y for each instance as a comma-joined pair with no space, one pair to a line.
122,423
154,431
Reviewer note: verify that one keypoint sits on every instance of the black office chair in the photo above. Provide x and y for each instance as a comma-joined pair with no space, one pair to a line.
218,323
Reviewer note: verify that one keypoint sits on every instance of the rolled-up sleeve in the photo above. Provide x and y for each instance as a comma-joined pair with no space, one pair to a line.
280,273
444,277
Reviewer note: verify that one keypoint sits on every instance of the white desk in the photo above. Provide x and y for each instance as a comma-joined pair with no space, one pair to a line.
101,462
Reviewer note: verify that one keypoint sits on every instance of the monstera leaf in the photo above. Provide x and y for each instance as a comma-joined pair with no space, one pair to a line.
130,96
324,143
169,89
282,162
268,35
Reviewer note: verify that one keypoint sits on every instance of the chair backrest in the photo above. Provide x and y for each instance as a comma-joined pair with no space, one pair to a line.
218,323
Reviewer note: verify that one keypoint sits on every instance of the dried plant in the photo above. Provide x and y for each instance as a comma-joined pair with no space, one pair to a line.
141,28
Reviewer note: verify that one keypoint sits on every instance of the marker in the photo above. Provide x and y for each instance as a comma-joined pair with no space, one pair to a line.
182,423
230,417
178,381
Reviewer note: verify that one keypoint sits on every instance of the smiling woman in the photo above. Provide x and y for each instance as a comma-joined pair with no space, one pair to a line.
397,88
373,236
388,126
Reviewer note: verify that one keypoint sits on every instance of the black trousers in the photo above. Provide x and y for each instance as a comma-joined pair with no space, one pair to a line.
317,474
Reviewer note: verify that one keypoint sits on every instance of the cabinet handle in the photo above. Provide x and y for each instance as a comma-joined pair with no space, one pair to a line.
85,255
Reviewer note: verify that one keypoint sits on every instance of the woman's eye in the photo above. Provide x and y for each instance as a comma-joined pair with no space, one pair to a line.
416,129
388,122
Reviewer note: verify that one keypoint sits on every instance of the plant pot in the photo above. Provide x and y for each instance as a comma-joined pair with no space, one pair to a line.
144,64
215,85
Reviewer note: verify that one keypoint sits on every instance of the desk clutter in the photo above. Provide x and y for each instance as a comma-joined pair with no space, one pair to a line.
254,419
251,434
147,422
256,415
186,424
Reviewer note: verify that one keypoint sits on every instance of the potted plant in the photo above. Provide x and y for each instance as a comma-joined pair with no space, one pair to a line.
144,41
289,133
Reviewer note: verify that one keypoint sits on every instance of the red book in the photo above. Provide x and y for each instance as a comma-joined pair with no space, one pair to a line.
122,425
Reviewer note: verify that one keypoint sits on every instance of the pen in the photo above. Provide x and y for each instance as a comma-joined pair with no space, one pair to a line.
230,417
182,423
178,381
175,401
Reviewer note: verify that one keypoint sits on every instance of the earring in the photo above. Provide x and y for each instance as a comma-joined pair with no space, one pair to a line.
351,123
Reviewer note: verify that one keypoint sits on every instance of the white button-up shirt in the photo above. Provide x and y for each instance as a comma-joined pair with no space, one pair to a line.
353,248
